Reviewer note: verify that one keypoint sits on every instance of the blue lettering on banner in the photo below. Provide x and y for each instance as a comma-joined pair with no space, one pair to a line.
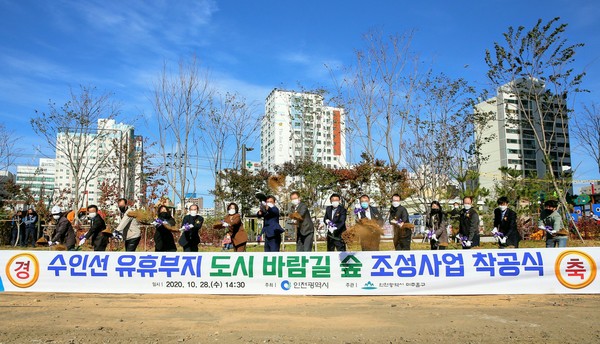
83,265
411,265
80,265
508,263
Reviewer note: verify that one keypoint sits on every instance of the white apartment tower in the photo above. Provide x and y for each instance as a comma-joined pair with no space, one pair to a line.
514,144
38,179
112,158
297,126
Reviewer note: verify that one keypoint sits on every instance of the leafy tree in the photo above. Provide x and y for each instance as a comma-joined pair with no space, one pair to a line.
535,65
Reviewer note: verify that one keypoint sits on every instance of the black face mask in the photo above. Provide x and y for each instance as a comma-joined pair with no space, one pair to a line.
163,215
123,209
435,211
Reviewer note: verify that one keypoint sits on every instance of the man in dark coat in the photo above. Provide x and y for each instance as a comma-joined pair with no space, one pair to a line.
469,224
335,221
63,233
305,229
271,229
191,226
505,222
398,217
97,225
366,211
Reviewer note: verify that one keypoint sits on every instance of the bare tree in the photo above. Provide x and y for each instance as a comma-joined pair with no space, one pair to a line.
229,124
587,131
535,66
244,126
378,93
181,101
440,127
7,148
78,132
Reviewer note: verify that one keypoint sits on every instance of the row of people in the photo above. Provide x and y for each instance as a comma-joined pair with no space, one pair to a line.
129,230
24,228
437,224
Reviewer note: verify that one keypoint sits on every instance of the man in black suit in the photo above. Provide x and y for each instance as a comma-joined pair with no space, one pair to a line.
271,228
398,217
505,222
305,228
335,221
95,235
469,224
367,211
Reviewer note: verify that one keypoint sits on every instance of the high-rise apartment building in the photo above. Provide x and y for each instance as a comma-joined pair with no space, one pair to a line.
298,126
517,119
38,179
109,158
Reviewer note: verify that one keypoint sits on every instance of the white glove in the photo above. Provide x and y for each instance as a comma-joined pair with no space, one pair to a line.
468,243
81,242
554,231
330,229
50,243
293,222
182,229
502,240
434,237
495,230
327,221
225,224
542,227
394,222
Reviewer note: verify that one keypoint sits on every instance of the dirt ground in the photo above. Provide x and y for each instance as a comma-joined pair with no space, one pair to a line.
93,318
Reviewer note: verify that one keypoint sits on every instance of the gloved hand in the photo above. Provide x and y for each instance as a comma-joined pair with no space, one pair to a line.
468,243
502,240
331,229
553,232
394,222
81,242
158,222
495,230
434,237
293,222
117,235
225,224
542,227
50,243
327,222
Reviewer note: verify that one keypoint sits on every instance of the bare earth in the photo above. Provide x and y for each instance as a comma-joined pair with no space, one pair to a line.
93,318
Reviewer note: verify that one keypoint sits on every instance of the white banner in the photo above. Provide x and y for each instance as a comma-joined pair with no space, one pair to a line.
452,272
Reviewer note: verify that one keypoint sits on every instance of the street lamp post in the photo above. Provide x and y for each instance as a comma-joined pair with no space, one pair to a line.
244,150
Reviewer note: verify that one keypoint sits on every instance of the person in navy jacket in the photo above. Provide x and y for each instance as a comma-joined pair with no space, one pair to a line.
335,221
271,230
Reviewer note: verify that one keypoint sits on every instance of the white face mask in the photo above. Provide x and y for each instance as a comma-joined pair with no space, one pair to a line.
395,204
91,215
295,201
503,207
467,206
56,217
193,212
270,205
231,211
335,204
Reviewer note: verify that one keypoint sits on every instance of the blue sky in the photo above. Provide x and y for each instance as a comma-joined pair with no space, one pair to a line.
249,46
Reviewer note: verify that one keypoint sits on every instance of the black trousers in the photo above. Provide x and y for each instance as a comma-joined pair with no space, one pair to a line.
132,244
403,244
335,243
